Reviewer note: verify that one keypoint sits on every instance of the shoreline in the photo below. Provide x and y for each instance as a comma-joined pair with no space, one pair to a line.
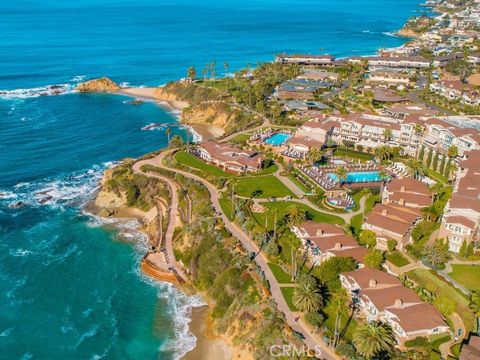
206,346
199,132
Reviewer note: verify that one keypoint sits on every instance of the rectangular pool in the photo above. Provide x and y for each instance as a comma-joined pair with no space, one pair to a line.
277,139
360,176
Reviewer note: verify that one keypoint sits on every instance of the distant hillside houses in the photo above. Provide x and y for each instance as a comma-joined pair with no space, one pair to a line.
455,90
305,59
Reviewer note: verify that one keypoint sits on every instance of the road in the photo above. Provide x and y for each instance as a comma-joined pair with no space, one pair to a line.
312,340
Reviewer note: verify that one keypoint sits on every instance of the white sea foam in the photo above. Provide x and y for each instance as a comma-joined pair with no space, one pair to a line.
154,126
66,190
48,90
196,137
78,78
180,309
6,332
390,33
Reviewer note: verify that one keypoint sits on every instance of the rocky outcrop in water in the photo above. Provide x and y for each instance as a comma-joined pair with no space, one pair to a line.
103,84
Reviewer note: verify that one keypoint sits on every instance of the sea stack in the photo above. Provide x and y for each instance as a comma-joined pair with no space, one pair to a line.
103,84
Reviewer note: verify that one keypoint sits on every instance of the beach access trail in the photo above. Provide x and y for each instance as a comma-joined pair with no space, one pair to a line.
314,341
156,258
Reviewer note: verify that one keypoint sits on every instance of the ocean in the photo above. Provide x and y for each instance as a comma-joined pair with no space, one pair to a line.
70,285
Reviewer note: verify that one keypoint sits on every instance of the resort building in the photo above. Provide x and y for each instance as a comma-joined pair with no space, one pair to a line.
461,218
381,296
230,157
471,350
399,212
441,134
371,131
407,192
323,241
300,89
304,59
389,78
312,134
400,62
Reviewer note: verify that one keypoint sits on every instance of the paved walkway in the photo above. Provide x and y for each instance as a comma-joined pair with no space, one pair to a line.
457,325
312,340
170,259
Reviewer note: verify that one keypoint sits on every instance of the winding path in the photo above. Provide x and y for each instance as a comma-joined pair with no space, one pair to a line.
173,220
314,341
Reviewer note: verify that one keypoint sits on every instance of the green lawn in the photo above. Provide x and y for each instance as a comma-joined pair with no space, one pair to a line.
261,187
226,205
397,259
192,161
281,208
281,276
467,275
240,139
428,280
297,182
435,175
352,154
269,170
287,293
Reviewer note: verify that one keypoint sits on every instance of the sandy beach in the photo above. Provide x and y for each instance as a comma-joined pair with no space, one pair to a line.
207,347
206,131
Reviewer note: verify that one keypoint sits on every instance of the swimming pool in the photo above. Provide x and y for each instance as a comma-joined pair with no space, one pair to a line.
360,176
277,139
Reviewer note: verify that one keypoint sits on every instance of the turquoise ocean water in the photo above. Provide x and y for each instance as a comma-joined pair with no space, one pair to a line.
69,284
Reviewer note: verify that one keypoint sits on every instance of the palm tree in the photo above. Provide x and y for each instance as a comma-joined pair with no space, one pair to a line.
436,189
418,129
191,73
307,297
416,167
452,152
383,152
387,134
342,174
168,132
373,339
339,299
295,215
314,155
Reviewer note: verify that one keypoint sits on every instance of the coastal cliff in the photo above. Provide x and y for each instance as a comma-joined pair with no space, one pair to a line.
103,84
407,33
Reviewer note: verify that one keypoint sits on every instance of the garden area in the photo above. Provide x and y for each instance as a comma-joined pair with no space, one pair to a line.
467,275
430,281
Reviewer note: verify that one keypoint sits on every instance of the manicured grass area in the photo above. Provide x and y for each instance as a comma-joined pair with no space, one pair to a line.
428,280
240,139
192,161
282,206
297,182
435,175
267,171
357,220
261,187
287,293
467,275
281,276
226,205
331,313
397,259
438,340
352,154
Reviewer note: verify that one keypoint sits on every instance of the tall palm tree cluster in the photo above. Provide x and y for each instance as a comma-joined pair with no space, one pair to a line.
374,339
